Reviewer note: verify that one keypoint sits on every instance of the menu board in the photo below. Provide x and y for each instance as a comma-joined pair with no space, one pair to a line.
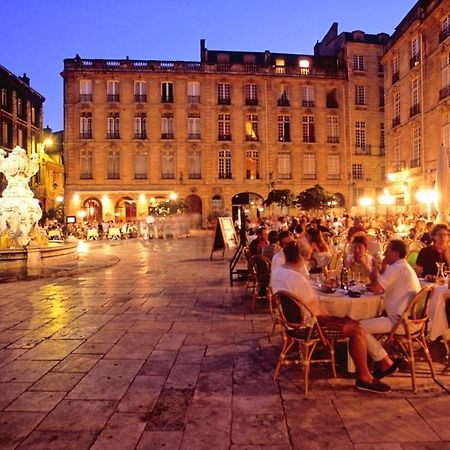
225,235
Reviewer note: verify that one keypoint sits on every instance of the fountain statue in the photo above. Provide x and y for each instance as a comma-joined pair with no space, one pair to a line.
19,210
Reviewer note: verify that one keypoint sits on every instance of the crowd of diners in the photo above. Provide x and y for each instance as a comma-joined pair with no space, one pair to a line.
388,254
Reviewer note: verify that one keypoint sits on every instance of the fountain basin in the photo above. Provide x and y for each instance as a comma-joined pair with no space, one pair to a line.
35,257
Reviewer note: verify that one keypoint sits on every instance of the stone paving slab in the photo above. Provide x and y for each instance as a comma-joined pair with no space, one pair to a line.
159,352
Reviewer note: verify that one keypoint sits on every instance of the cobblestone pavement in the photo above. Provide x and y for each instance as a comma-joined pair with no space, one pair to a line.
159,352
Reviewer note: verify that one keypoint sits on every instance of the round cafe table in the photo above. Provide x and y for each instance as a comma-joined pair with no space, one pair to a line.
339,304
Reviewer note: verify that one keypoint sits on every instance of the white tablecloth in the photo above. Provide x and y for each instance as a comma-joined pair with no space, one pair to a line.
436,311
341,305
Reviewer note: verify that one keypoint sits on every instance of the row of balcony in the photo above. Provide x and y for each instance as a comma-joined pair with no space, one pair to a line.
401,165
192,66
195,99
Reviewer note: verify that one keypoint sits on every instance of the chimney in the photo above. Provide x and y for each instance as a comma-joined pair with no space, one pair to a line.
25,79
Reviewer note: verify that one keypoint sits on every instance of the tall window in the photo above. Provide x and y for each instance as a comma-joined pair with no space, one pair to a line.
20,108
86,125
284,166
415,51
5,134
140,91
251,127
167,92
357,171
445,29
334,169
395,69
140,166
86,165
382,139
307,94
332,98
415,97
33,116
360,95
332,130
194,126
194,165
140,126
252,165
445,82
224,127
416,156
360,137
397,154
193,92
85,90
284,129
224,94
4,99
167,164
446,131
309,166
113,165
114,126
225,164
308,129
396,119
381,96
20,137
167,128
358,62
113,91
283,99
251,94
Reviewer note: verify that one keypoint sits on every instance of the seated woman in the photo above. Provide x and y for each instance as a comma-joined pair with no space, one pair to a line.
438,251
359,260
320,250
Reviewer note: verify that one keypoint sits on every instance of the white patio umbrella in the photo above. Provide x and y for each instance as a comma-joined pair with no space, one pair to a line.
442,186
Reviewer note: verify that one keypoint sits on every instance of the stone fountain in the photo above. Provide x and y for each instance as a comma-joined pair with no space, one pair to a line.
22,242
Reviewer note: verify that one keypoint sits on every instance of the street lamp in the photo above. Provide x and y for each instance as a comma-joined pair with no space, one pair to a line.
386,199
366,202
427,196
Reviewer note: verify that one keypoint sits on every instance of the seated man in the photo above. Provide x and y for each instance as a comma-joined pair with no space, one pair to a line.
291,278
257,245
270,250
283,239
400,285
438,251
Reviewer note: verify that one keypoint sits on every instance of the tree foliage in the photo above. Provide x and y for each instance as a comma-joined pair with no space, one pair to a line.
281,197
315,197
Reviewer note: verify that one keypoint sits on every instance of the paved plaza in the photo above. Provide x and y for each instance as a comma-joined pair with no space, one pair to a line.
157,351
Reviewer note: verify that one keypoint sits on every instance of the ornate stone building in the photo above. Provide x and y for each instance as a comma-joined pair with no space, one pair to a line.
21,119
233,122
417,86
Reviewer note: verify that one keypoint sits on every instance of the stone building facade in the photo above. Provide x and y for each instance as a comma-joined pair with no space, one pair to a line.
417,86
138,130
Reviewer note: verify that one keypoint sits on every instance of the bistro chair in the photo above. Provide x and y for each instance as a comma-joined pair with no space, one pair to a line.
250,285
411,329
300,326
261,266
273,312
333,264
411,257
415,246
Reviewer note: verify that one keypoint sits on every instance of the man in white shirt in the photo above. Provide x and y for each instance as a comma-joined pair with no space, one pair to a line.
291,277
283,239
400,284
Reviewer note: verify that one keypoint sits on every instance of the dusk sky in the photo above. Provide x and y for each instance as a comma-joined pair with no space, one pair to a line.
38,34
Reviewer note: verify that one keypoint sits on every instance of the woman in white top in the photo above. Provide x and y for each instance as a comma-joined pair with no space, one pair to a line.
359,259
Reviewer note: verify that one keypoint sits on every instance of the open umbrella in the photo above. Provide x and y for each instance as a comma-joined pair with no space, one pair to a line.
442,186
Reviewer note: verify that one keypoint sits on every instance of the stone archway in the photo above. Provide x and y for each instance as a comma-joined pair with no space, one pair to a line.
126,209
93,208
195,210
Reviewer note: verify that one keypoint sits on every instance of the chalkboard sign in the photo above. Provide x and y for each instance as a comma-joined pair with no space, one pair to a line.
225,235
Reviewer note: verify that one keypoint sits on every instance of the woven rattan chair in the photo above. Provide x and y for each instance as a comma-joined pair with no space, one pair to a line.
415,246
299,325
411,329
262,267
333,264
411,258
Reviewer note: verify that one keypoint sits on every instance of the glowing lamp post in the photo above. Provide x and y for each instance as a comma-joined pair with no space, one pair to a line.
427,196
386,200
366,202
